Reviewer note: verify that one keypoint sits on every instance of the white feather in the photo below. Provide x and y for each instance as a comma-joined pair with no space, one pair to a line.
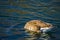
45,29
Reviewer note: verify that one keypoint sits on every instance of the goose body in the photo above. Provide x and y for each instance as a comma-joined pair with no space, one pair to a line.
38,26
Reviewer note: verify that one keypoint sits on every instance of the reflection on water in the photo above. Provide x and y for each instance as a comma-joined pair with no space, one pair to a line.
35,36
15,13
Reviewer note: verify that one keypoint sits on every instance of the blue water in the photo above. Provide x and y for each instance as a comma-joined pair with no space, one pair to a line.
15,13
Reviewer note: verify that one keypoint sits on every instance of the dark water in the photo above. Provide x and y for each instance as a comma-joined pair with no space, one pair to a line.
15,13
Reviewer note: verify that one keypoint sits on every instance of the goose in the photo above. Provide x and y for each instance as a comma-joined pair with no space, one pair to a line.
38,26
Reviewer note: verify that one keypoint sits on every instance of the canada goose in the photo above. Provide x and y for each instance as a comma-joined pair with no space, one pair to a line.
38,26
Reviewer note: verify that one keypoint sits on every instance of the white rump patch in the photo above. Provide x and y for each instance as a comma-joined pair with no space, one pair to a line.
45,29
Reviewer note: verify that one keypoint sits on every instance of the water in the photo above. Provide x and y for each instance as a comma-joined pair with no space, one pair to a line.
15,13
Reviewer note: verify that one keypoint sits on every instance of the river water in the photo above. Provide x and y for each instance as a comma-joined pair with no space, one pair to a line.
15,13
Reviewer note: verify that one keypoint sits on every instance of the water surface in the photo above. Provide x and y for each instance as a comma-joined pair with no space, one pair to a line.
15,13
